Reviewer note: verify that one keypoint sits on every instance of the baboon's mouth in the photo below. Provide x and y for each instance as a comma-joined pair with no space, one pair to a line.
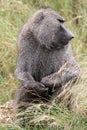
64,41
58,46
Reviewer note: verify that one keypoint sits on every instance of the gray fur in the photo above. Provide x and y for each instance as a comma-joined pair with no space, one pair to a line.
45,57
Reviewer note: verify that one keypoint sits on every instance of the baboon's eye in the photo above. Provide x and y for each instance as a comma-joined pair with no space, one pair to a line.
61,20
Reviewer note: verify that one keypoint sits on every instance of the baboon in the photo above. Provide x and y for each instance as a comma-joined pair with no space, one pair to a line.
45,57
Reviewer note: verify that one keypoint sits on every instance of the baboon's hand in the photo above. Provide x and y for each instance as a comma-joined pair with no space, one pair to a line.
36,87
47,82
53,84
50,83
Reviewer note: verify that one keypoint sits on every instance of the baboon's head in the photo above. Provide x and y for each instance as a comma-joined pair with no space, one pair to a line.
49,29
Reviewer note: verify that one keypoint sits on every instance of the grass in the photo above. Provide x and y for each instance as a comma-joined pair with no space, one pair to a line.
13,14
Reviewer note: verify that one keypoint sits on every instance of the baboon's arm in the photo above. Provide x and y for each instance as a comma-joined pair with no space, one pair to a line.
69,71
23,68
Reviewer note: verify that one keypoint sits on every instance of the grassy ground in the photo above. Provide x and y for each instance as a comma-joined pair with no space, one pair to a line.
13,14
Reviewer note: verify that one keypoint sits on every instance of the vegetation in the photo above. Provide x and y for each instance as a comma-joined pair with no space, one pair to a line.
13,14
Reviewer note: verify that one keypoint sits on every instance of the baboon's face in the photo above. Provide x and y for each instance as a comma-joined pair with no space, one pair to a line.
51,31
62,36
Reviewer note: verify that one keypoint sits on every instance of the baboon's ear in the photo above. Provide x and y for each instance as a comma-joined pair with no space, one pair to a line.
39,17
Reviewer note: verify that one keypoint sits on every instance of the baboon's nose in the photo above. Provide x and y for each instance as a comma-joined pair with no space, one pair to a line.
70,35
